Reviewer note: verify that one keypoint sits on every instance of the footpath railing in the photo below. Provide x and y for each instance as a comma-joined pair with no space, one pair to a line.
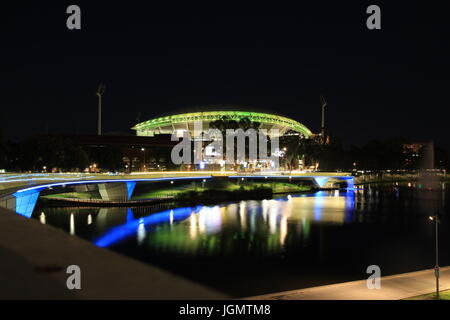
162,197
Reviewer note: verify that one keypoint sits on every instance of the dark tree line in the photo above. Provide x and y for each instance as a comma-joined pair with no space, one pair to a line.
374,155
44,153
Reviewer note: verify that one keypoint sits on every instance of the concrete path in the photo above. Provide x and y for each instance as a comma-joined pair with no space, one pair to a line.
394,287
34,259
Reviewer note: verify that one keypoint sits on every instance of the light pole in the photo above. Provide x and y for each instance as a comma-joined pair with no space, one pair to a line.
435,218
323,104
100,91
143,150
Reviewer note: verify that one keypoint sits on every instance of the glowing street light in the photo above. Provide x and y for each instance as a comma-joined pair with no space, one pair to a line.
143,150
435,218
100,91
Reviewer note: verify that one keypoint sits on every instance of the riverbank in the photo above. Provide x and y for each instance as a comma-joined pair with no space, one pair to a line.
443,295
74,202
390,178
217,191
395,287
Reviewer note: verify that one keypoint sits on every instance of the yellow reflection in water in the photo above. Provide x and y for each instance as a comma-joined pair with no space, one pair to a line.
262,226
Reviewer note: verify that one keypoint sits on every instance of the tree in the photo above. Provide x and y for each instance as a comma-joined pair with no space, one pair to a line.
3,151
295,147
106,157
226,122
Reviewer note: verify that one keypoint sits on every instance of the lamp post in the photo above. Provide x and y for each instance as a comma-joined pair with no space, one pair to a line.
435,218
143,150
100,91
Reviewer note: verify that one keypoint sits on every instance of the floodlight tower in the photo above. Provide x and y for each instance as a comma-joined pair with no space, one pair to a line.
323,104
101,89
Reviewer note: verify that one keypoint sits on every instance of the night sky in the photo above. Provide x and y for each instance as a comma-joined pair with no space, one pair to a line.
155,60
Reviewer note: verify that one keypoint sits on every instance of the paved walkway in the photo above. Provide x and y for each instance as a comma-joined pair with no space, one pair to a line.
394,287
34,258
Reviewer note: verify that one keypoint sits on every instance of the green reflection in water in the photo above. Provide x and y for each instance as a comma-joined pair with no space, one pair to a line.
250,228
246,228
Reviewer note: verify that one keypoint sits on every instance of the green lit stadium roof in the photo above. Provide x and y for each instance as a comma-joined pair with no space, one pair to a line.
183,121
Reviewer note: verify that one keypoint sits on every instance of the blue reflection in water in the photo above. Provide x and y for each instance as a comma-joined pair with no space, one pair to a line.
318,205
130,215
123,231
323,206
349,204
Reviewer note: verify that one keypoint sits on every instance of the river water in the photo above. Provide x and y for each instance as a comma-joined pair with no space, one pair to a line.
256,247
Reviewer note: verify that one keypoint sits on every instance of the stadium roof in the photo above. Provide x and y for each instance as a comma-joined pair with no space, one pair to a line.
184,121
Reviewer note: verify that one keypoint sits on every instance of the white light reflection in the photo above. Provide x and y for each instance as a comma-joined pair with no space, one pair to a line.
72,224
273,215
42,218
242,215
265,209
193,228
283,229
141,232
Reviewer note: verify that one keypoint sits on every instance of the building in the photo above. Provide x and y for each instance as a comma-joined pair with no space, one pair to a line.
275,126
185,122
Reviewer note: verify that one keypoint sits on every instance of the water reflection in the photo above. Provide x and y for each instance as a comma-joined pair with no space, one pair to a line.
290,237
72,225
42,218
261,227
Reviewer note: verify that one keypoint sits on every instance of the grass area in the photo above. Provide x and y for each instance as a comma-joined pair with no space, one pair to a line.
220,189
443,295
276,187
164,192
281,187
73,195
215,195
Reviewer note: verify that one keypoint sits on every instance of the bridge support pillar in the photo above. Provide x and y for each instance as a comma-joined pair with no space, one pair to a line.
116,191
8,202
22,202
320,181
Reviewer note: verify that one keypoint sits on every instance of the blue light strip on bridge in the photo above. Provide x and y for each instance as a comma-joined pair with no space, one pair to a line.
26,198
57,184
320,180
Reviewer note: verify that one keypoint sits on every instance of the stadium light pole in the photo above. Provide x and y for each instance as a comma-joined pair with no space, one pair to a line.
323,104
100,91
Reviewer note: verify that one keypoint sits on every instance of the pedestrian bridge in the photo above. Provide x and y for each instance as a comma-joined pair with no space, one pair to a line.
23,200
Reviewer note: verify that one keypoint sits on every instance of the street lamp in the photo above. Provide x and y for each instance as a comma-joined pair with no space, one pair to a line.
143,150
435,218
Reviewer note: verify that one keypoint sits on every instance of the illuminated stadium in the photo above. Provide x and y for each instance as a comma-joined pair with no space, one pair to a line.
185,122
